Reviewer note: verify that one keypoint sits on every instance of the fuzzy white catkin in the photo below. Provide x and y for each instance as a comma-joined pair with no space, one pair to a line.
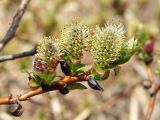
107,43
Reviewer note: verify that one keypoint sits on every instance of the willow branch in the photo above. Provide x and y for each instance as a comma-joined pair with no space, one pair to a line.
153,98
18,55
153,91
150,108
15,23
149,73
26,96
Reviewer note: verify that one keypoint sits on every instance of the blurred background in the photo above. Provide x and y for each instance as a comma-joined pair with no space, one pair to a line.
123,98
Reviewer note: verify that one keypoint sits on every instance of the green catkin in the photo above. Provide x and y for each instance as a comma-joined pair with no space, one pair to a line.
46,58
107,43
72,39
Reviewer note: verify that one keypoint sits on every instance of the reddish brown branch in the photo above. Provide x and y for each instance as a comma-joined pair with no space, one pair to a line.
15,23
66,81
149,73
18,55
153,92
150,108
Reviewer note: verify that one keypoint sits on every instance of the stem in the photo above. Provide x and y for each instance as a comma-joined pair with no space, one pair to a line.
18,55
154,89
150,109
14,25
65,81
149,73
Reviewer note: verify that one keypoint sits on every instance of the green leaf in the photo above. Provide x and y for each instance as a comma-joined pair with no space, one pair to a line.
48,78
74,86
33,80
105,76
142,36
82,68
99,77
33,84
128,50
145,57
95,75
100,68
130,44
76,69
54,82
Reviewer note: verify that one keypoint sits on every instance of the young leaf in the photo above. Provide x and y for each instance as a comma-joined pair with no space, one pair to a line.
74,86
33,83
131,44
145,57
82,68
142,36
99,77
76,69
129,48
48,78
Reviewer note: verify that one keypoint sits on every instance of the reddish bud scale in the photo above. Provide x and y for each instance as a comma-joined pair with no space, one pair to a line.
52,65
149,46
48,67
38,65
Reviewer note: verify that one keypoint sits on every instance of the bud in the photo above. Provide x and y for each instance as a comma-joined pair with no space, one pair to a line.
64,90
65,68
149,46
94,84
72,39
15,109
107,43
45,87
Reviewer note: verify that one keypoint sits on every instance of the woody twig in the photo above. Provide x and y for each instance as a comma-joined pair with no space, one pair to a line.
14,25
